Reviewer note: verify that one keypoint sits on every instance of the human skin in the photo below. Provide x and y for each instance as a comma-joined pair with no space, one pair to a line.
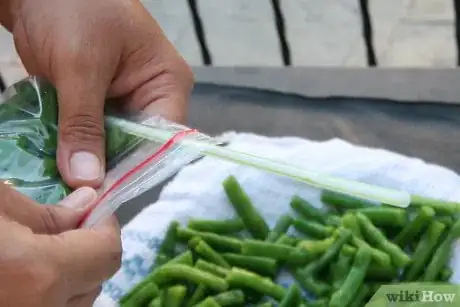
90,50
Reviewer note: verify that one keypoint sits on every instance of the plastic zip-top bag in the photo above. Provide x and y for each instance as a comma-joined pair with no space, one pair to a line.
28,143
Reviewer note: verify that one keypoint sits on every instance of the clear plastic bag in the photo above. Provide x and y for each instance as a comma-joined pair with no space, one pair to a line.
28,142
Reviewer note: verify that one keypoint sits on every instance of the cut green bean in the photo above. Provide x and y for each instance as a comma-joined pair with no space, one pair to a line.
275,251
198,295
441,207
209,302
230,298
313,229
252,219
343,237
293,297
446,274
318,303
442,254
354,280
340,270
174,296
142,297
239,278
158,302
310,284
341,201
424,250
281,227
261,265
303,208
360,299
218,242
168,245
266,304
211,268
172,272
376,237
350,221
222,227
379,257
412,229
316,247
286,240
381,273
207,252
382,216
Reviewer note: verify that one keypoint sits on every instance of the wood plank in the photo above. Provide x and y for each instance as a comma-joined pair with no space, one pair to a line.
241,32
325,33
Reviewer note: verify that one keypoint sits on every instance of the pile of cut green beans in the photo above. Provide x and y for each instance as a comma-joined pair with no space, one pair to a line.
338,257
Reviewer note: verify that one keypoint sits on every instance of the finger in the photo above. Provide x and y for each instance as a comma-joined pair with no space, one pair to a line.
85,300
87,257
81,145
45,219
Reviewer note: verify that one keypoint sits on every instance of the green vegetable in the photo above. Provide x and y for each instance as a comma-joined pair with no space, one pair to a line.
211,268
281,227
275,251
379,257
342,201
360,299
223,227
172,272
424,250
167,248
340,270
145,294
442,254
293,297
376,236
313,229
441,207
260,265
412,229
197,296
158,302
318,303
243,206
241,278
385,216
310,284
218,242
381,273
209,302
446,274
266,304
206,251
174,296
350,221
354,280
230,298
307,211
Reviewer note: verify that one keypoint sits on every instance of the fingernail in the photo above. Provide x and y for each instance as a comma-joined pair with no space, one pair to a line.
85,166
79,199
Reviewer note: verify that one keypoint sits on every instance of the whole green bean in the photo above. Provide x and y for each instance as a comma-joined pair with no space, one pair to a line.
218,242
354,280
303,208
261,265
424,250
350,221
310,283
209,302
207,252
222,227
442,254
361,297
241,278
342,201
344,235
171,272
441,207
382,216
313,229
376,236
212,268
252,219
174,296
412,229
340,270
281,227
230,298
146,294
197,296
293,297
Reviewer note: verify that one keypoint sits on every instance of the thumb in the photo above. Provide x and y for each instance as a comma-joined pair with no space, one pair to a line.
81,142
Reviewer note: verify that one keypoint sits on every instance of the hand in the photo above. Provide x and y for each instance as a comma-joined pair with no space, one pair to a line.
44,262
91,50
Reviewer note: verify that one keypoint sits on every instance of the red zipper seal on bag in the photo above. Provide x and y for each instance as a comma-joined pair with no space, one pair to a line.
165,147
